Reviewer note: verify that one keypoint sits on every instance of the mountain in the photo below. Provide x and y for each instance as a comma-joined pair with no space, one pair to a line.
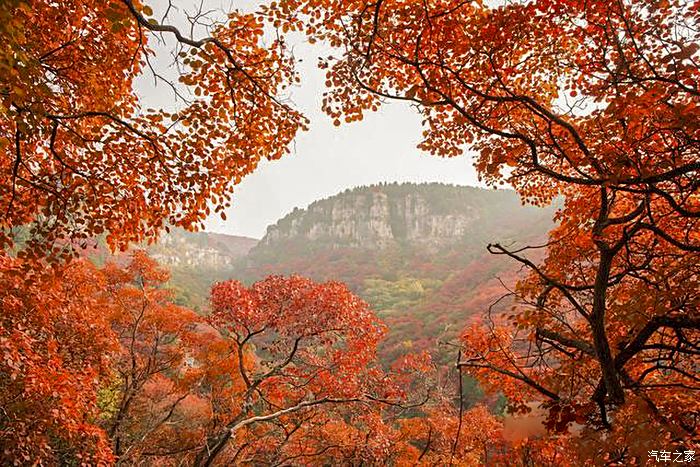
430,216
416,252
195,260
198,259
200,250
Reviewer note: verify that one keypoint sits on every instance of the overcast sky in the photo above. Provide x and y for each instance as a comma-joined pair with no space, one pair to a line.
326,159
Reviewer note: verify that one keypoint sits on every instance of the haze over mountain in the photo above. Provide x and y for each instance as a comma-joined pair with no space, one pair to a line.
415,252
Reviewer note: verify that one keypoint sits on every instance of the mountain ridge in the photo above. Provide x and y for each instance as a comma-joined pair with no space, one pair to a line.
426,213
200,249
416,252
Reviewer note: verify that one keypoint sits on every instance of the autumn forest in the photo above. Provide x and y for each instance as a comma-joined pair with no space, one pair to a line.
553,321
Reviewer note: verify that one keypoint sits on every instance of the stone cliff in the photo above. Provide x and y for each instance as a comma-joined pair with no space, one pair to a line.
201,250
429,215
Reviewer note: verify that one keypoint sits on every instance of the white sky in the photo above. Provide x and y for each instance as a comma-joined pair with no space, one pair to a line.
326,159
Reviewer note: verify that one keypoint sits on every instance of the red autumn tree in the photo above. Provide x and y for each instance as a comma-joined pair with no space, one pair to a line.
290,380
423,424
594,102
98,365
153,382
301,348
81,155
312,394
441,429
54,348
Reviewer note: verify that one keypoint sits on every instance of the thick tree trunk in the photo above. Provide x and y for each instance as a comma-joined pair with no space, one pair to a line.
610,376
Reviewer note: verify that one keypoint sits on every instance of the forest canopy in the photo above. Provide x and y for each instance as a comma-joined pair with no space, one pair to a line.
592,103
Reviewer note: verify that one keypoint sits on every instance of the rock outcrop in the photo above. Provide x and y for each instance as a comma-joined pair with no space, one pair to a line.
428,215
200,250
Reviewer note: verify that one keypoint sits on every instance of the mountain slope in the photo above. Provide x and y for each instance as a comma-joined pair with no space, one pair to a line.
417,253
198,259
195,260
200,250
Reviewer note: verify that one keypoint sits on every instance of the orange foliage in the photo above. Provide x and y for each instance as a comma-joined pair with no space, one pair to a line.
593,102
316,345
54,347
596,102
82,156
287,374
156,408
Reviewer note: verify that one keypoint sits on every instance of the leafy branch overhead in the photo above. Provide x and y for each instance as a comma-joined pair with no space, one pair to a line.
85,158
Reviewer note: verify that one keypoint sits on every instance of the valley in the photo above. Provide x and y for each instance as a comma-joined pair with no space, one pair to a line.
415,252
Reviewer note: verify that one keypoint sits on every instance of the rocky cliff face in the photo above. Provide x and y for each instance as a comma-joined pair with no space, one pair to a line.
201,250
429,215
416,253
